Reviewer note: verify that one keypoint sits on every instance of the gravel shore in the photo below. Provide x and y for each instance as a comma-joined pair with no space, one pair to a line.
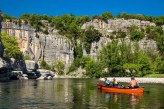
140,80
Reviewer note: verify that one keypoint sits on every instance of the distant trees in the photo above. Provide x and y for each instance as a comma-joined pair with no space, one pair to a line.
6,16
116,57
119,57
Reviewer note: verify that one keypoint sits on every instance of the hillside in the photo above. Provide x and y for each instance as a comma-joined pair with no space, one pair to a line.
102,45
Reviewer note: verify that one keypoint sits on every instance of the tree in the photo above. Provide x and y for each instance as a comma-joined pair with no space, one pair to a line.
78,52
91,35
59,67
144,63
11,47
136,35
160,44
109,56
44,65
93,69
106,16
159,63
131,67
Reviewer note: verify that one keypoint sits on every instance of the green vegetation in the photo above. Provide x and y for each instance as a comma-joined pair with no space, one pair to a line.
59,67
155,75
11,49
119,59
157,20
44,65
91,35
136,35
26,57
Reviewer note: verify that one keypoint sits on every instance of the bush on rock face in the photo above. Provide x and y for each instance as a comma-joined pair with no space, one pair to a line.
11,49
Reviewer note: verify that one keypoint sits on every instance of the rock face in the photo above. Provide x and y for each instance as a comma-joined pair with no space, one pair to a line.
116,25
54,47
39,46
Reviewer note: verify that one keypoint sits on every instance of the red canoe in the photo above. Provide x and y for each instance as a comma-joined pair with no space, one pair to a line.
120,90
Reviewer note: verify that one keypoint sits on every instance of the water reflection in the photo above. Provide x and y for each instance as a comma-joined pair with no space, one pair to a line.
131,100
134,99
73,94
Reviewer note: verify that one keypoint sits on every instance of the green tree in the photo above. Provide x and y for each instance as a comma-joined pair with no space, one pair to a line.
91,35
136,35
44,65
131,67
110,58
144,63
78,52
106,16
59,67
93,69
160,44
159,63
11,47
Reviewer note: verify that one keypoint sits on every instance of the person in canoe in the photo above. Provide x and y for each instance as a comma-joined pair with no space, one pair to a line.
133,83
106,82
115,83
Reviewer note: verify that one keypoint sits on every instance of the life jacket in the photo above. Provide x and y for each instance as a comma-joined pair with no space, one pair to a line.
107,82
115,82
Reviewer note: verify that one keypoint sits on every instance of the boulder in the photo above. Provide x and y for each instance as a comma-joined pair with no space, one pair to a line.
31,65
2,63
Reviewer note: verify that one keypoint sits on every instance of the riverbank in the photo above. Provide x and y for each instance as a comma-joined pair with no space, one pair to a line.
139,79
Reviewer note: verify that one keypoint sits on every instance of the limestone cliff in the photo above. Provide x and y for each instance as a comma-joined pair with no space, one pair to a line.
40,46
117,25
53,46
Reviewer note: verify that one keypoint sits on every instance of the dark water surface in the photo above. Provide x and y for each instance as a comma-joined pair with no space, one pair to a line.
74,94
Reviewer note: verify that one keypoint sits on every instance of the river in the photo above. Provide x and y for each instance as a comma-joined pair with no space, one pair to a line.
74,94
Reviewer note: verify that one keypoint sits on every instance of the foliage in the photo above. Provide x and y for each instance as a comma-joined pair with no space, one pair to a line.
7,17
144,63
159,63
153,32
91,35
93,69
159,20
74,65
11,47
26,57
78,52
59,67
130,16
106,16
44,65
136,35
110,58
120,57
121,34
116,57
160,44
155,75
79,62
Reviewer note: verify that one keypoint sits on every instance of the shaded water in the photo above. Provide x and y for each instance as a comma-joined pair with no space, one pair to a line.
74,94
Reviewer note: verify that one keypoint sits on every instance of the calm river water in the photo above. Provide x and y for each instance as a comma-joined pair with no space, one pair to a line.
74,94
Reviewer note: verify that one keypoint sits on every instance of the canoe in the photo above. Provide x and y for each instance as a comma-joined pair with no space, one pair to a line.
120,90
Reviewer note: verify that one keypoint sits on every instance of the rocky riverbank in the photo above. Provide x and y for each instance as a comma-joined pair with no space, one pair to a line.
139,79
